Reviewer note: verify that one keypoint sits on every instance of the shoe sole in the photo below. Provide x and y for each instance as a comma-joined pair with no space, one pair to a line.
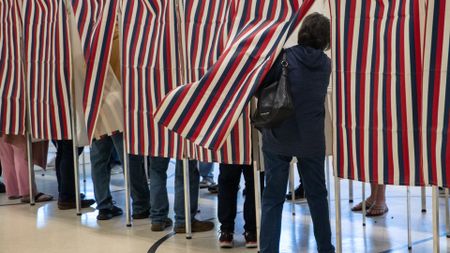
72,207
179,230
251,245
109,217
104,218
226,245
139,217
159,228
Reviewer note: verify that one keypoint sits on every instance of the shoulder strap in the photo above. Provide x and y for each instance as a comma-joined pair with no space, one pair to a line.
284,64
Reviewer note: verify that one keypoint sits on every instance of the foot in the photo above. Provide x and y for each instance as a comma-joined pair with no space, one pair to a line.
299,193
377,210
161,226
14,197
109,213
226,240
66,205
196,226
206,182
213,188
358,207
40,197
140,216
250,240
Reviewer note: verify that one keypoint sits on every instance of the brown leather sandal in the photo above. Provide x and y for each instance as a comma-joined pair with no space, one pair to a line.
376,211
358,207
40,197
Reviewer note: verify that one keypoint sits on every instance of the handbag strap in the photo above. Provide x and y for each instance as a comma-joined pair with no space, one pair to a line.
284,64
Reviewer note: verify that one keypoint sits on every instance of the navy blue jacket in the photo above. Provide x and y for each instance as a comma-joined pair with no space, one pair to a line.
309,75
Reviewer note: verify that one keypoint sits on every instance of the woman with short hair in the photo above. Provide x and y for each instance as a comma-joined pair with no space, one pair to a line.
301,136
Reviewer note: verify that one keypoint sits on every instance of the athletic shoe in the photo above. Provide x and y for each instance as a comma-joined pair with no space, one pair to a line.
226,240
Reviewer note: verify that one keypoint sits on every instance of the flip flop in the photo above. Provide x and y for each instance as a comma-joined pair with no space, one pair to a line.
40,197
358,207
14,197
376,211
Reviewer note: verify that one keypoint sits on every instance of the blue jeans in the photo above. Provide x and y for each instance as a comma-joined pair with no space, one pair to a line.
158,190
313,178
101,153
206,170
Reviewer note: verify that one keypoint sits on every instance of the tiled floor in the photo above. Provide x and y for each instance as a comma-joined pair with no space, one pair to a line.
44,228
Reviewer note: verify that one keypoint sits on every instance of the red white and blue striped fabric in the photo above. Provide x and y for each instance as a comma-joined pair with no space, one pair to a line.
96,22
436,94
150,69
377,54
87,15
48,67
206,111
206,27
12,87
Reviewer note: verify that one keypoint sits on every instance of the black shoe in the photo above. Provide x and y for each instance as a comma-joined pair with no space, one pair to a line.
299,193
213,188
2,187
140,216
65,205
226,240
160,226
250,240
196,226
107,214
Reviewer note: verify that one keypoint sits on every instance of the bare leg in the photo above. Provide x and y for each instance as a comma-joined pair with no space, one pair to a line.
379,206
374,189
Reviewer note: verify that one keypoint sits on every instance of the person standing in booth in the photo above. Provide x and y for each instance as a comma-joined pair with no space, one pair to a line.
109,137
301,135
229,179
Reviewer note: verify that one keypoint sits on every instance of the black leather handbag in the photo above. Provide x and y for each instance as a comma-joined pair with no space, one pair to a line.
274,101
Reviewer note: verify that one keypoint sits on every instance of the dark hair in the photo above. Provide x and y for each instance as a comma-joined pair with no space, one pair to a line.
315,32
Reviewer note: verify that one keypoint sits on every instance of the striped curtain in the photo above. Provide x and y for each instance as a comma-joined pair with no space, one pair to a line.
436,94
206,28
377,55
12,95
48,67
150,69
96,27
206,111
102,95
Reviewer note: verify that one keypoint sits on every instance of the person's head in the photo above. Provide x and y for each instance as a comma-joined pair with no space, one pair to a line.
315,32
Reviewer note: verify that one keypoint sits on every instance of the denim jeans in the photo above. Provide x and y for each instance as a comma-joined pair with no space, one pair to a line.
313,178
229,179
158,190
101,153
206,170
64,170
